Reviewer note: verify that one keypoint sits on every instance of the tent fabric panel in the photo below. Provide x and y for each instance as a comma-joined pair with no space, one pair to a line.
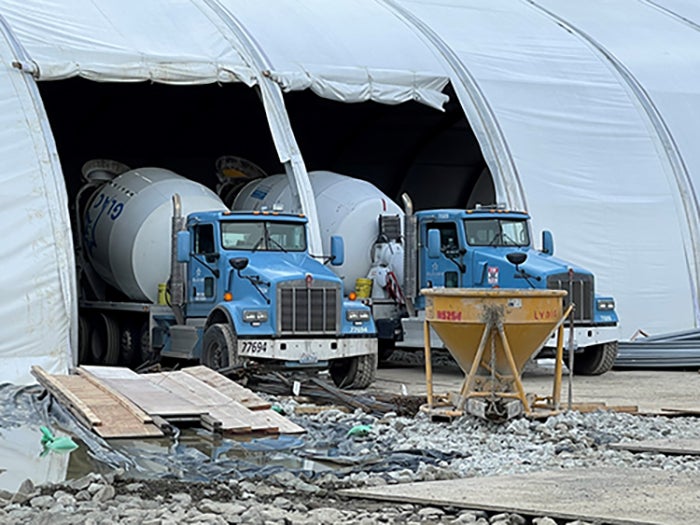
347,50
129,40
38,310
581,145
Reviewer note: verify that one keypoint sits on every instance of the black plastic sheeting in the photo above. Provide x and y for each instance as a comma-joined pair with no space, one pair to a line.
198,455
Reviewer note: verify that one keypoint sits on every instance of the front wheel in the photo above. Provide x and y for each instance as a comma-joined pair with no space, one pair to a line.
595,360
354,372
218,343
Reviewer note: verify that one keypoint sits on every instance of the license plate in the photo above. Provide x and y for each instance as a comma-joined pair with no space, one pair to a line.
253,347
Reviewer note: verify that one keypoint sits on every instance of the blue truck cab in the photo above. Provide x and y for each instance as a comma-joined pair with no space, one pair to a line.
492,248
252,291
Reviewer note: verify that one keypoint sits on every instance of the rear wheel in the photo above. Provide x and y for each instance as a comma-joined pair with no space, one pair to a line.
218,344
128,345
83,340
354,372
146,353
104,340
595,360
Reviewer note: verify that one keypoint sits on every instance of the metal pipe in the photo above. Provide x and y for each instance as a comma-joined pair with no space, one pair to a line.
572,307
177,281
410,264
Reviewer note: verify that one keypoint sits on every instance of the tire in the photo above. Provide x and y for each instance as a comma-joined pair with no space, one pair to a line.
218,344
595,360
83,340
354,372
145,353
104,340
128,345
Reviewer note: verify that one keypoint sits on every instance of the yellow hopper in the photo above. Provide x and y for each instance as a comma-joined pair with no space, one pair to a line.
492,334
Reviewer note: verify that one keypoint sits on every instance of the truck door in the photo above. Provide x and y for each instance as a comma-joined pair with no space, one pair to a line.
448,268
202,286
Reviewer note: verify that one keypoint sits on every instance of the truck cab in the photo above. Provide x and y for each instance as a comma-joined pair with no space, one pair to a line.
492,248
253,292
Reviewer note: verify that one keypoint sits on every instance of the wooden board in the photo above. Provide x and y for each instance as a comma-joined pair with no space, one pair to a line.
226,386
234,417
148,395
618,496
95,407
690,447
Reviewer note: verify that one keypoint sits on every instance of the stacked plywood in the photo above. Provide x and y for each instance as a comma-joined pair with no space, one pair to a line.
194,394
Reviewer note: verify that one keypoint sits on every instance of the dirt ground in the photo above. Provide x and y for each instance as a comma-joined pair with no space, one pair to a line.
652,391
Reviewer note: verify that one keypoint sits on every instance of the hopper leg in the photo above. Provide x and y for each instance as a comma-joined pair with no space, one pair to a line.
514,369
428,363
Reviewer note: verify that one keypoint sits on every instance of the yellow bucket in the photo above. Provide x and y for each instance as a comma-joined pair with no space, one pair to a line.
363,287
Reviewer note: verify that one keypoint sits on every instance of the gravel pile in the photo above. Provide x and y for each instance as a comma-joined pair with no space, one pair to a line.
368,451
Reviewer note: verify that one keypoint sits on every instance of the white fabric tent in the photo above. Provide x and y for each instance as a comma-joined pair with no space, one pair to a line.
585,114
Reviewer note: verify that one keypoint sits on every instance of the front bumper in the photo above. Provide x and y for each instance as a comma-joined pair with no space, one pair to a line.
584,336
306,351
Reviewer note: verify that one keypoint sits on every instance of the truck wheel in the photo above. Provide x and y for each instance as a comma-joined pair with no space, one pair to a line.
104,340
146,354
127,345
595,360
217,344
354,372
83,340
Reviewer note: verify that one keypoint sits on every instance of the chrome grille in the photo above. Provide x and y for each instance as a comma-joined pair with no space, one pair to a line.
308,310
581,292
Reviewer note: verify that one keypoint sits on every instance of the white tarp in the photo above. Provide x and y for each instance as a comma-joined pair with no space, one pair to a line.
177,42
586,113
592,165
38,304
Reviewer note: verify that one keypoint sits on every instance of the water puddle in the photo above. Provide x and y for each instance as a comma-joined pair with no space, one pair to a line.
195,454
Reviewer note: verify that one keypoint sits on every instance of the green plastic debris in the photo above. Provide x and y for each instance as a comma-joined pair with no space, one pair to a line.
279,410
359,431
57,444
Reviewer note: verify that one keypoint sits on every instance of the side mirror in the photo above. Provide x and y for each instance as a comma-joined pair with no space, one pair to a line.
183,246
337,250
238,263
433,244
547,242
516,258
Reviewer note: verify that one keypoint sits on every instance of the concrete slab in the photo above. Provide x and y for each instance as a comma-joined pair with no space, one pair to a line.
615,496
689,447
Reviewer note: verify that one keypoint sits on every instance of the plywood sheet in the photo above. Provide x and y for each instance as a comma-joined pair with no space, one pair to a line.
234,417
147,394
226,386
690,447
615,496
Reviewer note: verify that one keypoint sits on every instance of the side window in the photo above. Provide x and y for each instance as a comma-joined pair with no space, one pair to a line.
204,239
448,237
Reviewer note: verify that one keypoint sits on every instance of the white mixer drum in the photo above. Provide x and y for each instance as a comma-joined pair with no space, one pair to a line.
346,206
127,227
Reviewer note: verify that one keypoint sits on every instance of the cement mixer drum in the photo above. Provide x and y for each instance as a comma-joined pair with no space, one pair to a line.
126,227
346,206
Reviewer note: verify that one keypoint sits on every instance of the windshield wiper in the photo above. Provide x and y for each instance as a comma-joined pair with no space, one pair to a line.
271,240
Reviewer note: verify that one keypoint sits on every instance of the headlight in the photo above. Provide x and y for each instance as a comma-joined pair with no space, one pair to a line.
357,315
605,304
255,316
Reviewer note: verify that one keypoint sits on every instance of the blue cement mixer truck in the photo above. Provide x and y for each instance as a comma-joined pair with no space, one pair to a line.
392,253
167,270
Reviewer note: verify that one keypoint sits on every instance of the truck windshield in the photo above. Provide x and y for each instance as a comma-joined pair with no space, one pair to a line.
263,236
497,232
